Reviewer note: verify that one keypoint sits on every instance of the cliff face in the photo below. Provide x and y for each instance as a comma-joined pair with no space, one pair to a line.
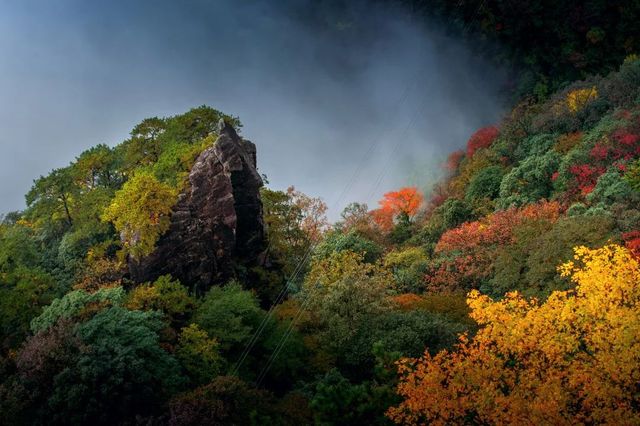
216,223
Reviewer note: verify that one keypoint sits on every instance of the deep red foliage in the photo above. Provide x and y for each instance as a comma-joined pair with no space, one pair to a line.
586,176
632,241
482,138
453,161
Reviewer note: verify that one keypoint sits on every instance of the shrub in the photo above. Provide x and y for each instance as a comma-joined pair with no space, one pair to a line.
530,181
485,184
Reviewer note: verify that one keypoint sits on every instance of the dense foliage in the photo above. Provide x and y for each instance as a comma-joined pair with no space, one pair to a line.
550,42
456,288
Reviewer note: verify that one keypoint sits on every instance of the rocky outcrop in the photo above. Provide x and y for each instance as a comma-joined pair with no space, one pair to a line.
216,223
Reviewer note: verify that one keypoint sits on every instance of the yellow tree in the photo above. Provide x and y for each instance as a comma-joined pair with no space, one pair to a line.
574,359
140,212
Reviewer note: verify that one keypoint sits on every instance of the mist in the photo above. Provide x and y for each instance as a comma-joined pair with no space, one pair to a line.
345,102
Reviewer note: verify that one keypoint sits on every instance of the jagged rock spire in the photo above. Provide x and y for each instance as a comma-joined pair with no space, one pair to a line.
216,223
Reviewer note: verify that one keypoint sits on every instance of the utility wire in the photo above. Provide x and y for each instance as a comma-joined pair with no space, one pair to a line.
282,294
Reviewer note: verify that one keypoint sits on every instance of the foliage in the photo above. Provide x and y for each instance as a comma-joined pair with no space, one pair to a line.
311,214
164,295
336,401
294,222
109,368
530,181
380,286
528,264
551,43
569,359
226,400
577,99
229,314
25,286
199,354
408,266
485,184
454,212
344,290
140,212
74,304
611,188
482,138
52,196
400,334
632,175
404,202
466,255
336,242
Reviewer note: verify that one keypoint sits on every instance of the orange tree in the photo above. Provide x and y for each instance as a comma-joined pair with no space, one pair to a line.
402,203
574,359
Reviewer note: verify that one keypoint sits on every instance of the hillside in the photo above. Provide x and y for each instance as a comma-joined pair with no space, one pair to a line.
162,281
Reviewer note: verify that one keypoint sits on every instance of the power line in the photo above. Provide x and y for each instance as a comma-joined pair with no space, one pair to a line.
356,173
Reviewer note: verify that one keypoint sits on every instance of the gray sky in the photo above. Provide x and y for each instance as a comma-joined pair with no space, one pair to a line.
350,102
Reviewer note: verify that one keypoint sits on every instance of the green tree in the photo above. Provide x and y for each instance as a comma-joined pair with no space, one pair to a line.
230,315
485,184
24,284
336,242
124,373
52,197
633,175
287,240
407,333
343,291
106,368
75,303
96,167
337,401
530,181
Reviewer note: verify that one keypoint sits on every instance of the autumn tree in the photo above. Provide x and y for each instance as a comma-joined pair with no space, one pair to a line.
311,214
165,295
482,138
572,359
397,205
140,212
295,223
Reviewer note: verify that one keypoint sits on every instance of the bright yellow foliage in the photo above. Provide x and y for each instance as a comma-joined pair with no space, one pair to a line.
579,98
574,359
140,212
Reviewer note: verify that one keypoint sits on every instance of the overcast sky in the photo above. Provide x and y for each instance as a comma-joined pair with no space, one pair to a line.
344,104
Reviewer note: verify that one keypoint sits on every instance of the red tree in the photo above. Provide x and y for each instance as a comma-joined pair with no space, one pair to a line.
482,138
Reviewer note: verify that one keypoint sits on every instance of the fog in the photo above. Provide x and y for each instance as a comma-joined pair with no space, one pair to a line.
344,102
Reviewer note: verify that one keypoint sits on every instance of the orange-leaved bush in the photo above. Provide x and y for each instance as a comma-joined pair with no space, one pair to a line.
466,254
574,359
405,201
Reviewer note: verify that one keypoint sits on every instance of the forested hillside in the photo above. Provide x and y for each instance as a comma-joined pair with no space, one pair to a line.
508,293
550,43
